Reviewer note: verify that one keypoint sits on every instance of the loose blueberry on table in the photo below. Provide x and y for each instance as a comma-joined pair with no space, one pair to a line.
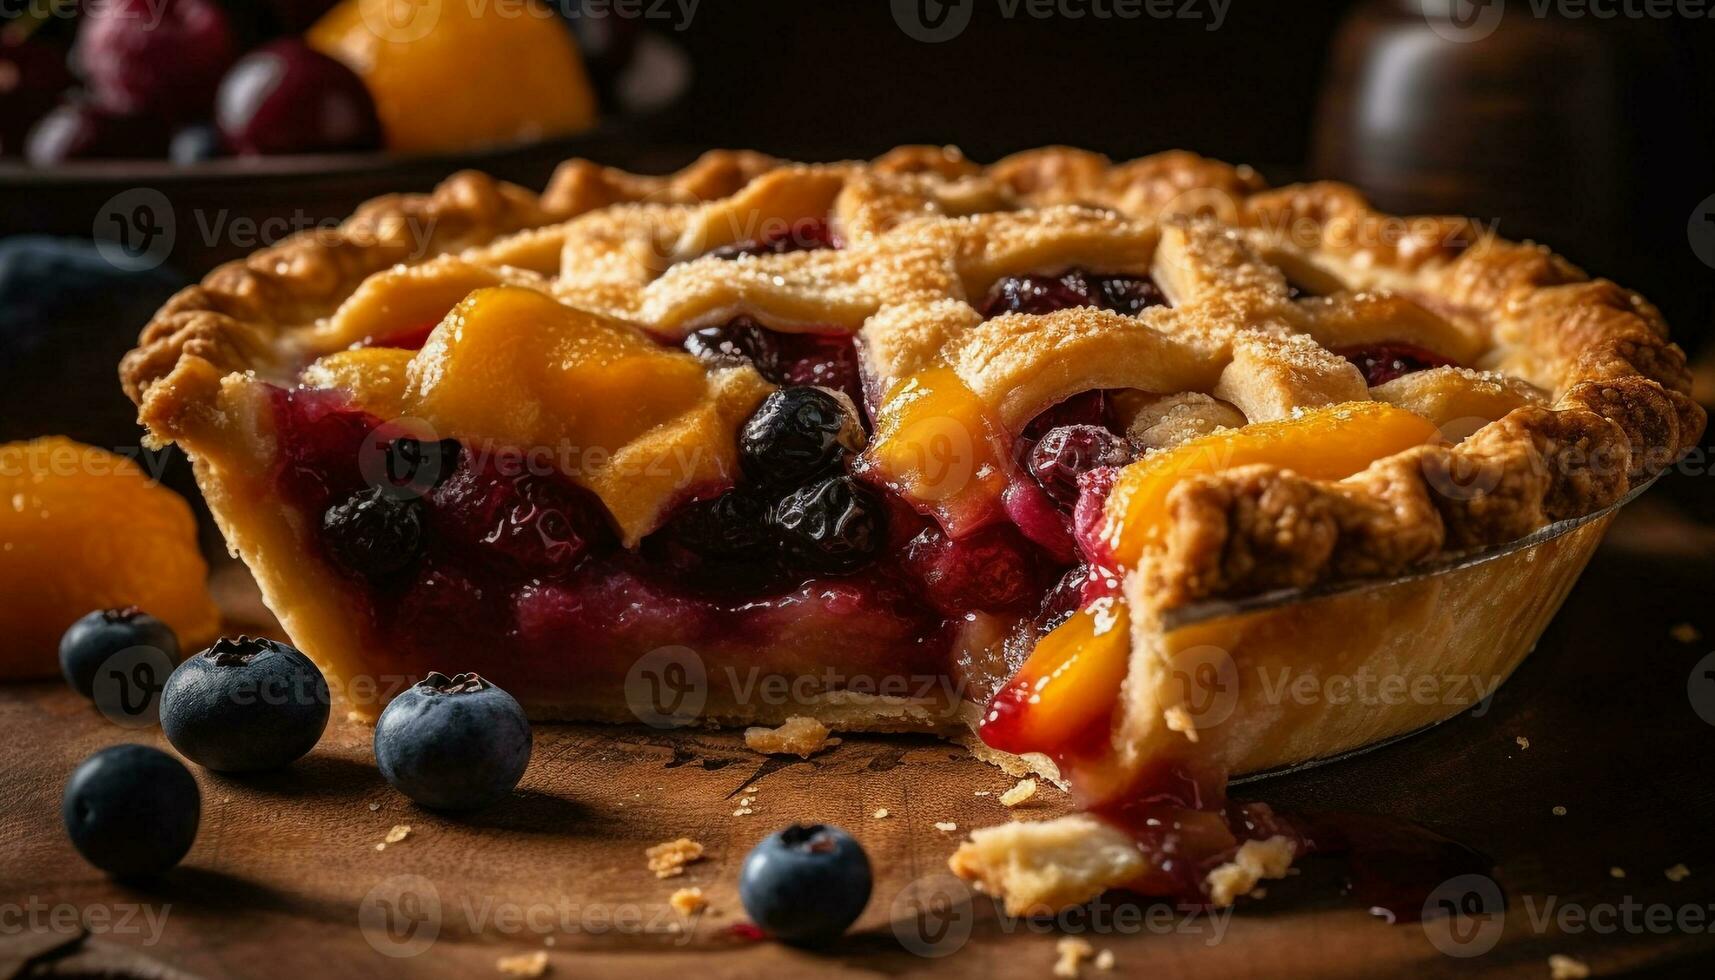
453,743
131,810
90,641
245,705
806,884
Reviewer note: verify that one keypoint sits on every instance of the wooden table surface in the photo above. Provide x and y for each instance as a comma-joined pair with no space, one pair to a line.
286,878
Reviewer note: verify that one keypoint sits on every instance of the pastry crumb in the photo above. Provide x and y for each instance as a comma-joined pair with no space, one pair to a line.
1024,790
946,825
1179,720
1616,872
1559,811
1678,872
399,832
1104,960
881,813
799,735
1259,892
669,859
374,807
982,792
688,901
1254,861
1562,967
357,718
1523,743
524,964
1685,633
743,811
1072,952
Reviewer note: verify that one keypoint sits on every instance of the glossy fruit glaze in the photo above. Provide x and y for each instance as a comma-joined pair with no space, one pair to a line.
520,568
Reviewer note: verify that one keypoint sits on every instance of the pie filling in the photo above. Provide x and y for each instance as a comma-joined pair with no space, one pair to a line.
946,549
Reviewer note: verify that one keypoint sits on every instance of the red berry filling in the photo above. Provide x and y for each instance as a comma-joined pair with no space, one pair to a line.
990,570
508,559
1381,363
498,508
1130,295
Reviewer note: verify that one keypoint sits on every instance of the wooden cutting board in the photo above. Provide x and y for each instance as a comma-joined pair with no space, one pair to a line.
286,877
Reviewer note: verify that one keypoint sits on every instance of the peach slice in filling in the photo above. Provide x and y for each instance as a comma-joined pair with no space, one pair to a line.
1325,444
937,444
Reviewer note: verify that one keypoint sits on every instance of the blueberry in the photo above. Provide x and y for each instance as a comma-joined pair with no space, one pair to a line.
796,433
453,743
195,144
374,533
131,810
244,705
833,526
741,340
805,884
732,528
90,641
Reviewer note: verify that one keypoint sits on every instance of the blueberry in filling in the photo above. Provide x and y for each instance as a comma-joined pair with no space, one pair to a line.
1076,287
835,525
374,534
795,434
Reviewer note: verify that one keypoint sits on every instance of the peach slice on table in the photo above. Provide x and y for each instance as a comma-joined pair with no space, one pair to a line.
87,529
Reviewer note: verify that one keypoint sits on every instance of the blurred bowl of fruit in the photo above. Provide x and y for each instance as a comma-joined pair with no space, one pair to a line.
246,120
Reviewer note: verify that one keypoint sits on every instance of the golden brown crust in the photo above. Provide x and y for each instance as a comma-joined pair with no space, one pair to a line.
924,226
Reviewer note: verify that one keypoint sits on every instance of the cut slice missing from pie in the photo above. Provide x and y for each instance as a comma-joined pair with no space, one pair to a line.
918,444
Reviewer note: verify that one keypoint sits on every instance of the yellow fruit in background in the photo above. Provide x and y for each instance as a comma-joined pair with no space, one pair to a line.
456,74
83,529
